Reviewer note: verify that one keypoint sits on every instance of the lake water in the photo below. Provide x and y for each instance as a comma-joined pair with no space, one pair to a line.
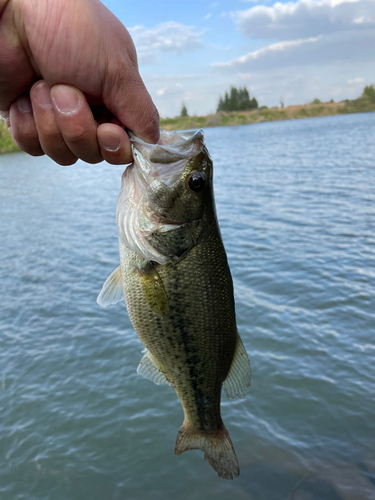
295,202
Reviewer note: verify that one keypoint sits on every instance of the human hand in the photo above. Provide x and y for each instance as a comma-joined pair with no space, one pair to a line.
69,81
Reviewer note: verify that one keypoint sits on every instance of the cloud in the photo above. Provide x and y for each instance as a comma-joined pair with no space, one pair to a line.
305,18
165,37
207,16
320,50
200,92
355,81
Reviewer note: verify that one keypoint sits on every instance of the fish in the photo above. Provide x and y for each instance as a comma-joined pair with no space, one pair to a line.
178,289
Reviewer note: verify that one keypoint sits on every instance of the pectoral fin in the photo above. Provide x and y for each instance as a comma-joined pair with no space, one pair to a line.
238,380
148,369
112,291
153,289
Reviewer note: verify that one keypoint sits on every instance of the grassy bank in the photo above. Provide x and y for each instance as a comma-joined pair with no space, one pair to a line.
263,114
6,142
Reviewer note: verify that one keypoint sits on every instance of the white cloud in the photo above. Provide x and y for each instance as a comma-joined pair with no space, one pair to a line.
356,80
207,16
165,37
305,18
319,50
200,92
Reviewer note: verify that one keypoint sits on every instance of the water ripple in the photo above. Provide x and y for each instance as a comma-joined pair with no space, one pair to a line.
296,207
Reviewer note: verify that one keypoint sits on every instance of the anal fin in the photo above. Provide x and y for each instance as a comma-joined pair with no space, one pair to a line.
238,380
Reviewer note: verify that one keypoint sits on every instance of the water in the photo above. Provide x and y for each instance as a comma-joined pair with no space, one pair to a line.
295,202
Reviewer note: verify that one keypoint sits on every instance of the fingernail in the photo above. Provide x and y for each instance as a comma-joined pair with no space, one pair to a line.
66,99
43,96
24,104
7,122
109,142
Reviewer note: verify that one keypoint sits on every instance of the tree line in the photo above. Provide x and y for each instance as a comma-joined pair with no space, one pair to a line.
238,99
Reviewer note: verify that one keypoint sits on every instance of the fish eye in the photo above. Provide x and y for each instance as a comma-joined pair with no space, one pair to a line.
197,181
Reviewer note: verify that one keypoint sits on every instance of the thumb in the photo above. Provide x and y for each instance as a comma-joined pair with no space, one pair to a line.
122,89
128,99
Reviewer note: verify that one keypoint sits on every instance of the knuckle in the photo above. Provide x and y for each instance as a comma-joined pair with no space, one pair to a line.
93,160
75,135
26,138
30,147
64,162
36,152
49,133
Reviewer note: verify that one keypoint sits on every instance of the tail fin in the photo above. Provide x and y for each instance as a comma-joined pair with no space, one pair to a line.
217,446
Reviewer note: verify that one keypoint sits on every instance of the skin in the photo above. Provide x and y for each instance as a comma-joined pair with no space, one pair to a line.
183,311
69,81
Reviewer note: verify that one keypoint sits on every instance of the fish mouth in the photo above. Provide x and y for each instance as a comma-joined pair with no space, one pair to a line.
166,160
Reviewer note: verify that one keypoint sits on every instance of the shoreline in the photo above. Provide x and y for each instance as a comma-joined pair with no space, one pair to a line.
265,114
236,118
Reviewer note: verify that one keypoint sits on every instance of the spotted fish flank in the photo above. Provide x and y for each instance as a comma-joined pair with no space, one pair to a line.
178,288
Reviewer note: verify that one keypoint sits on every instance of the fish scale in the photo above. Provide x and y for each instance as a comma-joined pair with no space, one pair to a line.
178,288
196,336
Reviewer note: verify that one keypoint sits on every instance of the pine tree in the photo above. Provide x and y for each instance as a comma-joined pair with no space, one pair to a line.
226,102
369,91
238,100
253,103
233,99
184,111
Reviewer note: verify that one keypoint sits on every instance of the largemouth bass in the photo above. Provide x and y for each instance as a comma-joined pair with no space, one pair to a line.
178,289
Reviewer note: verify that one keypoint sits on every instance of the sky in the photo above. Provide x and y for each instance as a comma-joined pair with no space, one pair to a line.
192,52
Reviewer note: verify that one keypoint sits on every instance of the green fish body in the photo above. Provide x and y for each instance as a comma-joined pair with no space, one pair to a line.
178,289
